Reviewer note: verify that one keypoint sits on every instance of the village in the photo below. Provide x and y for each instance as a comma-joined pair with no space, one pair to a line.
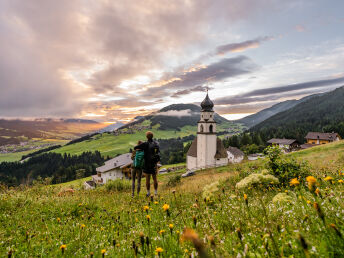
206,150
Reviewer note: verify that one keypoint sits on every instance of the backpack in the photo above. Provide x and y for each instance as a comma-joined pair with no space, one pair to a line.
154,151
139,159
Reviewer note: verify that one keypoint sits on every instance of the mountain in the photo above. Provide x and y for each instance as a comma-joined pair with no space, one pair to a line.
264,114
174,117
17,131
111,127
320,113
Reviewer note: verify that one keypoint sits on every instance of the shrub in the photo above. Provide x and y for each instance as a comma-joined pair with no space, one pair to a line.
284,169
209,190
174,180
118,185
255,180
282,198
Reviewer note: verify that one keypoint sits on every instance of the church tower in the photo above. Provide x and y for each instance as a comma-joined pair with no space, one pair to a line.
206,135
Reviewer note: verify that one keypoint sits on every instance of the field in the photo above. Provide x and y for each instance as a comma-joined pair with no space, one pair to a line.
205,215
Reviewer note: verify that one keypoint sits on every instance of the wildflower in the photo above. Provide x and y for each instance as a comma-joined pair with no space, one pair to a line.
294,182
328,178
91,254
186,251
118,245
148,218
304,245
194,220
161,232
103,251
142,238
319,211
317,192
311,182
190,235
170,226
156,202
82,225
159,250
341,181
146,208
101,229
135,211
212,241
63,247
58,220
165,207
336,230
245,198
309,202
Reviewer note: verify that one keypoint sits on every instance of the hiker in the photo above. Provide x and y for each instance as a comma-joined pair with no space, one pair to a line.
151,159
138,162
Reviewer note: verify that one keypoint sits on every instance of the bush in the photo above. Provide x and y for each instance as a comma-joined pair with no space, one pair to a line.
118,185
174,180
285,169
256,179
209,190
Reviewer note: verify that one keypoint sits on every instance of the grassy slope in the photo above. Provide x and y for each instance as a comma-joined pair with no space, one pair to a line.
112,145
266,229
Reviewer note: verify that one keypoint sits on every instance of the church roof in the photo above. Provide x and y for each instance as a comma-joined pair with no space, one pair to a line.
220,149
193,149
207,104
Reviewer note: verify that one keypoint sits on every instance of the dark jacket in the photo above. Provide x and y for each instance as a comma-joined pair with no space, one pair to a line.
151,156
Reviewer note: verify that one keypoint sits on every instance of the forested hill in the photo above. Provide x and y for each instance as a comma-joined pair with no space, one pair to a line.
264,114
323,113
174,117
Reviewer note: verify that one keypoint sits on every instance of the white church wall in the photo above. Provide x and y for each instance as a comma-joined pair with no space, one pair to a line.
191,162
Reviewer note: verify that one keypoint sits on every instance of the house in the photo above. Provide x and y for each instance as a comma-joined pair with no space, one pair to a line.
316,138
116,168
234,155
285,144
207,149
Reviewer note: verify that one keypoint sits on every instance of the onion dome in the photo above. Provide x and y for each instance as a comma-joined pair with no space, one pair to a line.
207,105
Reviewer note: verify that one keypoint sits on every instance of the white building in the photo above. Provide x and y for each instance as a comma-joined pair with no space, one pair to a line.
235,155
116,168
206,150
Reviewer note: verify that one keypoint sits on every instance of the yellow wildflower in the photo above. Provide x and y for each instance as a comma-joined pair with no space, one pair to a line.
103,251
341,181
309,202
148,217
245,197
165,207
58,219
161,232
328,178
159,250
311,179
170,226
317,191
82,225
156,202
145,208
294,182
62,247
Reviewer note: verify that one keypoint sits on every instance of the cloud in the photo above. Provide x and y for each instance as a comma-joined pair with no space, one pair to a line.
177,113
214,72
300,28
241,46
188,91
274,93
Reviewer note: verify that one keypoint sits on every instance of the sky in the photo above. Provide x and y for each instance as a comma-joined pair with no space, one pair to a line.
114,60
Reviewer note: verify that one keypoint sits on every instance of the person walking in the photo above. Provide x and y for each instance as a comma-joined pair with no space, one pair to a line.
136,171
151,158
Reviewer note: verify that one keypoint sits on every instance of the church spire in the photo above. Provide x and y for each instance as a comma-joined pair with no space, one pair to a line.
207,105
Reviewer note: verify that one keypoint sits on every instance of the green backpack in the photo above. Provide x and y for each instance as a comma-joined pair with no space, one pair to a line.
139,159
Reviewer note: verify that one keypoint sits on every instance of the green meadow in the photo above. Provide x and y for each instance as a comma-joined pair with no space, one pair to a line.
231,211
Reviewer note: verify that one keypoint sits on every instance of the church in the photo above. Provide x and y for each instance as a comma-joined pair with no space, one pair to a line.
207,149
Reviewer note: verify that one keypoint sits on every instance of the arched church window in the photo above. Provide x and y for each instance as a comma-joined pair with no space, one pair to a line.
211,128
201,128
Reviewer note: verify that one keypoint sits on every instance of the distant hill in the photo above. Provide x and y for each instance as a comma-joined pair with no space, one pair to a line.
16,131
111,127
174,117
264,114
322,113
